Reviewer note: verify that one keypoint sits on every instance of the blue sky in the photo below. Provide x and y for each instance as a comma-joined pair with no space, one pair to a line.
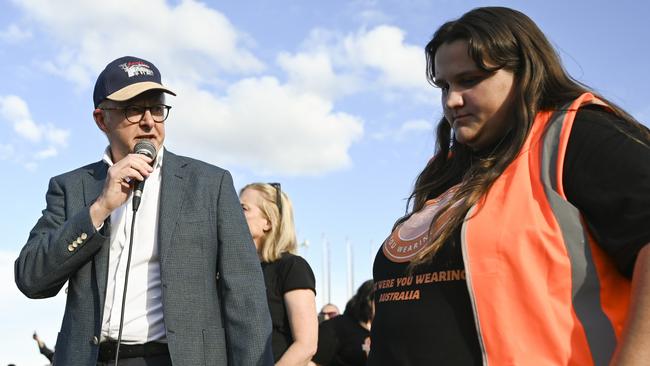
329,98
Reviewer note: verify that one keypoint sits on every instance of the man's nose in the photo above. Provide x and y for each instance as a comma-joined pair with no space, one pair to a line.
147,119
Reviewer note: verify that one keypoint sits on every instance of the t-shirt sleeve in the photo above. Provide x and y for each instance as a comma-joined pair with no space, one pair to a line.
328,343
607,177
297,274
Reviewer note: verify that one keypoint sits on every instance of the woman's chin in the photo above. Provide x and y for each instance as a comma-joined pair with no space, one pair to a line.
465,136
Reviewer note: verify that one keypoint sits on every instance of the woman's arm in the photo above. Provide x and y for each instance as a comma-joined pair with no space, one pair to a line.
301,310
634,348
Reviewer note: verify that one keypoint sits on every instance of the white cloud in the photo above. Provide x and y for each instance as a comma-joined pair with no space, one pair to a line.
188,40
56,136
383,48
408,128
265,125
378,59
367,11
13,34
258,122
46,153
314,72
416,125
15,111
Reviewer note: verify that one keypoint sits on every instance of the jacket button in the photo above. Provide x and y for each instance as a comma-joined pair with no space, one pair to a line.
74,244
95,340
84,236
79,240
70,248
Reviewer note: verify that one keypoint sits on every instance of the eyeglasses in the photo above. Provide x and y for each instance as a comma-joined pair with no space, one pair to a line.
135,113
330,314
278,196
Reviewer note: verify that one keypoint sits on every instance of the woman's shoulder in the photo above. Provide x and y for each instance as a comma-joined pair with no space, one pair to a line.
599,132
295,271
595,119
289,260
595,114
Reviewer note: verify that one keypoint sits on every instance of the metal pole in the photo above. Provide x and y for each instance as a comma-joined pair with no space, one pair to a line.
325,272
350,268
329,272
371,255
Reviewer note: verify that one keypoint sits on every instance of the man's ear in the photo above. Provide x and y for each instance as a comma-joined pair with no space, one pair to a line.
100,121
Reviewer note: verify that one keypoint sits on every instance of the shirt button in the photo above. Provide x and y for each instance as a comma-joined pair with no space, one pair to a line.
95,340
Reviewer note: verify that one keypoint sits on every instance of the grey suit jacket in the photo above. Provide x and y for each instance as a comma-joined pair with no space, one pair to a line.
213,292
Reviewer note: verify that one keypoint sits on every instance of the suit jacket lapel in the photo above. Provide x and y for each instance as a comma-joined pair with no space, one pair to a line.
93,183
172,191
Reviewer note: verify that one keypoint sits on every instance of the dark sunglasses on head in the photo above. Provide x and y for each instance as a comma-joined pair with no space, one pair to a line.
278,196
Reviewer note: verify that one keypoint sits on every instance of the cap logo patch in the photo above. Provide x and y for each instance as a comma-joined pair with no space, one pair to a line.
136,69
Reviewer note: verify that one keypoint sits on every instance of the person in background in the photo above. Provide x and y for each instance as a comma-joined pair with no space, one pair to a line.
45,351
345,340
290,282
328,311
527,239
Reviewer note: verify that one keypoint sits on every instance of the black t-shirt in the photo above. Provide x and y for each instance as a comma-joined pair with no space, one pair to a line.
429,321
288,273
341,342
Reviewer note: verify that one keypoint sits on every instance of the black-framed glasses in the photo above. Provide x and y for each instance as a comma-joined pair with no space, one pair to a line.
278,196
135,113
330,314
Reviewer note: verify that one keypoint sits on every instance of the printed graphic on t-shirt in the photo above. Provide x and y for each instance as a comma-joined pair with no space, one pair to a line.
401,293
413,235
414,305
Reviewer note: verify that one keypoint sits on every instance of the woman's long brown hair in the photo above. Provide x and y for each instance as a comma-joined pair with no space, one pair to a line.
504,39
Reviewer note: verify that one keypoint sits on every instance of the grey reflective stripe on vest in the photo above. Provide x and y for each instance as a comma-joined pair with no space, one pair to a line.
585,283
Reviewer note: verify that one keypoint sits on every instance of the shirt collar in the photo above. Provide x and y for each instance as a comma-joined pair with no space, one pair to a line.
157,163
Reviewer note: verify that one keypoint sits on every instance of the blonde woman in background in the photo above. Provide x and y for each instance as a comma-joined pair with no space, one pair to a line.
290,282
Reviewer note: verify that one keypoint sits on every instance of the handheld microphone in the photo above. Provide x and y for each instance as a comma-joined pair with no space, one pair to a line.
144,147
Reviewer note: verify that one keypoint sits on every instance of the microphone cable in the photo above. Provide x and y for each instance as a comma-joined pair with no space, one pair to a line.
126,283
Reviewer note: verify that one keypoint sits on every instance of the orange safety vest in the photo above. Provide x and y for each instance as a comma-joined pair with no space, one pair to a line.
543,292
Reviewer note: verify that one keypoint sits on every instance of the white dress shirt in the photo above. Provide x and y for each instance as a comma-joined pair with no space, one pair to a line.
143,315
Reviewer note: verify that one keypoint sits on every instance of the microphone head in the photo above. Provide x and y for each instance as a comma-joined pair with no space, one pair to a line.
145,147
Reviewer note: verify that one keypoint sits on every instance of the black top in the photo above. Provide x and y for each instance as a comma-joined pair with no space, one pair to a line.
288,273
341,342
430,321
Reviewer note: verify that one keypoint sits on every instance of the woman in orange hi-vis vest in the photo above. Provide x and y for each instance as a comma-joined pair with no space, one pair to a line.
525,242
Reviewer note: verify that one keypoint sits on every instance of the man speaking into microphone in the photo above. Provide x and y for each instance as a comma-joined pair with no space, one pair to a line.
195,293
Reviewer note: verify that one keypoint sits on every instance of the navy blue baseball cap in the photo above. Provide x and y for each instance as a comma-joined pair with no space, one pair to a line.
126,78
